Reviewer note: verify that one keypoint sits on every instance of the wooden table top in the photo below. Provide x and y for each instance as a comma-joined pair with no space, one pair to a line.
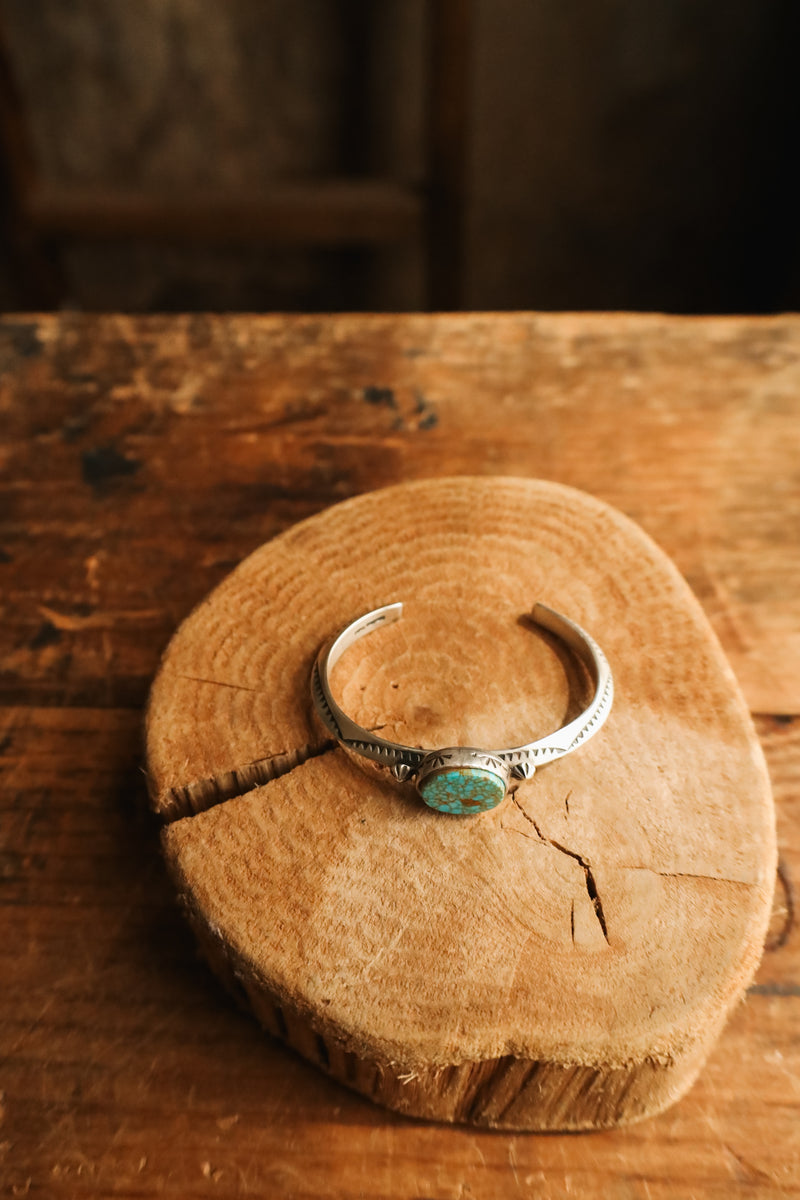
141,459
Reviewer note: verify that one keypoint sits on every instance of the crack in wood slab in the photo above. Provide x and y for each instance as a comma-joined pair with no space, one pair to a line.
237,687
591,883
684,874
188,800
203,794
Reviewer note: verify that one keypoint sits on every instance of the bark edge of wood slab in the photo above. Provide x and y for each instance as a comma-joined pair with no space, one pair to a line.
564,961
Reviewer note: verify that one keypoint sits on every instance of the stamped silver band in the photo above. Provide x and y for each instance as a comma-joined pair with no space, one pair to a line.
478,779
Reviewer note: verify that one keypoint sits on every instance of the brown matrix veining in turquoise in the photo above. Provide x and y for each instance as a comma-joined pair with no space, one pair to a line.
462,790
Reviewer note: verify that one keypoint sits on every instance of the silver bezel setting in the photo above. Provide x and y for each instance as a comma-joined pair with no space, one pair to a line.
454,758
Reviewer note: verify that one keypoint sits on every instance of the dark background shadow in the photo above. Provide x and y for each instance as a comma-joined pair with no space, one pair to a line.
341,154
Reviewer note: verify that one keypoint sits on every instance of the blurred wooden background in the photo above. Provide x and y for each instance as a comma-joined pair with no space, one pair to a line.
608,154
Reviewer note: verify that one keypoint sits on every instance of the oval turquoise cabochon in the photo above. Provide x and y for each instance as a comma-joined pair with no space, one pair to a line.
462,790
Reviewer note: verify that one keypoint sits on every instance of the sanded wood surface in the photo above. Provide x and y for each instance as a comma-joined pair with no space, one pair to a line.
564,962
141,461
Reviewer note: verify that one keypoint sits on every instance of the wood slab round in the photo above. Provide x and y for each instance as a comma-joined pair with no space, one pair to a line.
564,961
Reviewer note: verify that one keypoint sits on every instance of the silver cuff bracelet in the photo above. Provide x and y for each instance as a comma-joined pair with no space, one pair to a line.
463,779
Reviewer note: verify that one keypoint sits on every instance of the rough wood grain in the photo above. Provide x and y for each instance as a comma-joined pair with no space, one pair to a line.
564,962
140,460
169,448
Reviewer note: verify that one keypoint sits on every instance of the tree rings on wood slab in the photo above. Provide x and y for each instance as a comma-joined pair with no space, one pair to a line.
563,961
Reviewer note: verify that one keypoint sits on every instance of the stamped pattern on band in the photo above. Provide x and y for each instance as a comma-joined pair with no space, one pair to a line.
597,717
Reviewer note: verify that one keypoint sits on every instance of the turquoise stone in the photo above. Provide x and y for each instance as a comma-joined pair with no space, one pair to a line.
462,790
